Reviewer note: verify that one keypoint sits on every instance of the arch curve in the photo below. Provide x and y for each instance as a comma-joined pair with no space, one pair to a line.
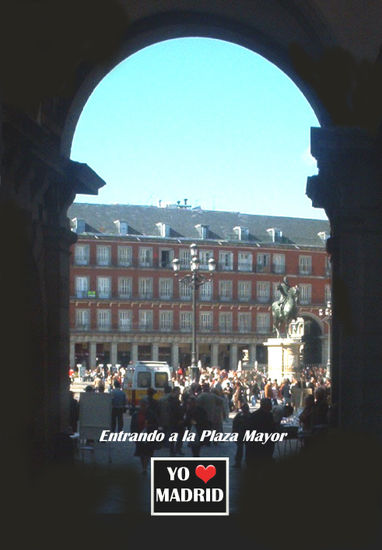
185,24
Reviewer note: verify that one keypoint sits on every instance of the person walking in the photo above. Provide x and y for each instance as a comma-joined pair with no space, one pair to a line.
118,407
239,425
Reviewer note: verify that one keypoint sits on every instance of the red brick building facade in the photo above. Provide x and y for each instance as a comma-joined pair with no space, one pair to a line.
127,304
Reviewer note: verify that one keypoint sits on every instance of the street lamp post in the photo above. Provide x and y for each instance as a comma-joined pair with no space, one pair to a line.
194,280
326,315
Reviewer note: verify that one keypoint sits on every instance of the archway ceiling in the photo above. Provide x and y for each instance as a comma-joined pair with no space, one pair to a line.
60,51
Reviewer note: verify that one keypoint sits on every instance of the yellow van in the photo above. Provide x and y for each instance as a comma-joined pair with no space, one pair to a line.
142,375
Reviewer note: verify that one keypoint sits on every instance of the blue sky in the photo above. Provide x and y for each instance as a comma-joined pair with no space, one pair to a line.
204,120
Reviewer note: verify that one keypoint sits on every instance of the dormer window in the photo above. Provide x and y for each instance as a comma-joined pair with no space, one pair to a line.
242,233
276,234
323,235
122,227
78,225
202,230
164,229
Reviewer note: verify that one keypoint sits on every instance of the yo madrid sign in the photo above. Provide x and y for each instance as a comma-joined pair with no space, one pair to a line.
189,486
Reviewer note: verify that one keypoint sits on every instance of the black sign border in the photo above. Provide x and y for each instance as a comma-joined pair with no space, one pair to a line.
195,460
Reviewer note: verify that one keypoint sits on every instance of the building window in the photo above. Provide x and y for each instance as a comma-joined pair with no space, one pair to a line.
305,294
305,265
104,287
263,323
165,320
103,255
226,261
206,291
165,289
328,267
103,319
263,291
184,258
204,256
278,263
202,230
79,225
82,286
145,257
225,321
185,321
263,263
82,319
81,254
125,319
244,290
275,234
205,320
164,229
145,319
124,256
245,260
145,287
242,233
225,290
184,291
165,258
124,287
122,227
244,322
328,293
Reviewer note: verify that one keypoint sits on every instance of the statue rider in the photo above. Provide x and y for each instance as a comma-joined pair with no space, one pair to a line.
283,287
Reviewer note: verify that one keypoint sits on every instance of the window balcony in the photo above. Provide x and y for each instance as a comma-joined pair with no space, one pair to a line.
82,326
244,266
104,294
145,327
125,295
224,329
104,327
125,327
263,268
278,269
263,330
145,295
225,267
81,294
166,327
225,297
263,299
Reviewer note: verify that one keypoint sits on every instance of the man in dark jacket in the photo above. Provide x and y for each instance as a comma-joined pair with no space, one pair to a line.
261,421
239,425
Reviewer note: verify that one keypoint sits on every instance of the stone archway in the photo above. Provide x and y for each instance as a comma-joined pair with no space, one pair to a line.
322,53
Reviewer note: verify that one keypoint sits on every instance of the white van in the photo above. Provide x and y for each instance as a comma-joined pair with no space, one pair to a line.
142,375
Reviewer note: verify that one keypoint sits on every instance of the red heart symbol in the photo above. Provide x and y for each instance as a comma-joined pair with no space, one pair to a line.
205,473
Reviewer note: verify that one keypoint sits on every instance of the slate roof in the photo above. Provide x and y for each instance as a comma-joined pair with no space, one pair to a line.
142,220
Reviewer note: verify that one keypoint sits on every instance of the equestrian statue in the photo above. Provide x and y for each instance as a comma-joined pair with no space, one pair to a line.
284,310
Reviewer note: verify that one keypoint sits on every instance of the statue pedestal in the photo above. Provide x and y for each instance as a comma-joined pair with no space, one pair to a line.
283,357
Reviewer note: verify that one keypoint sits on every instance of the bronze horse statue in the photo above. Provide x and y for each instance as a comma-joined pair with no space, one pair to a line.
283,312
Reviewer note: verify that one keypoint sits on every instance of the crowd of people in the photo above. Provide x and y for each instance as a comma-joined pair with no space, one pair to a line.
206,403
